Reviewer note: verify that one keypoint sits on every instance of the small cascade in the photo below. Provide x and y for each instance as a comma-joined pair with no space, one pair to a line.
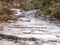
31,27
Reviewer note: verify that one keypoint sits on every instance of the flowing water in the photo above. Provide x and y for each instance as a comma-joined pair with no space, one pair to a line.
30,26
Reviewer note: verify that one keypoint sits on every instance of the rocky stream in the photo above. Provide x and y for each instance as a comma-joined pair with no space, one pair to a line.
30,30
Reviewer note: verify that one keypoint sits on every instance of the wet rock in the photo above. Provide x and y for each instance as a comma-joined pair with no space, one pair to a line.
8,17
11,21
25,20
25,43
13,14
38,43
2,26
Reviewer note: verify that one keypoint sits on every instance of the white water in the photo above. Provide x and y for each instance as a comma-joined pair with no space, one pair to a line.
29,26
